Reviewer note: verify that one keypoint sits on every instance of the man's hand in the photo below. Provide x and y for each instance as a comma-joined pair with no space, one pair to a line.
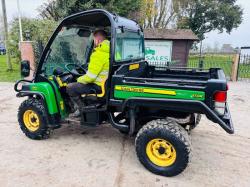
81,80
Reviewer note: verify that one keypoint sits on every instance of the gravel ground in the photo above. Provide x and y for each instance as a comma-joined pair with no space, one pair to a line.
75,156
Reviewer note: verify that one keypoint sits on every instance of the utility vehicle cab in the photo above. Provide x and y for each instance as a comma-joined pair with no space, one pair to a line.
160,105
67,54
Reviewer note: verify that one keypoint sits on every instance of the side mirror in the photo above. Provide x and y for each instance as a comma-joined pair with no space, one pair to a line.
25,68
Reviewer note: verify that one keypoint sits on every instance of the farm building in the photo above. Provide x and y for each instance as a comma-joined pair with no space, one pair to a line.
164,46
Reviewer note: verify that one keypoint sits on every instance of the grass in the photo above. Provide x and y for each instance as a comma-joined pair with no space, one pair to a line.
220,61
244,71
213,61
209,61
8,76
214,57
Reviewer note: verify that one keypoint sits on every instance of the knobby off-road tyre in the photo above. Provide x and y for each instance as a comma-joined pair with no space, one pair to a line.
32,118
163,147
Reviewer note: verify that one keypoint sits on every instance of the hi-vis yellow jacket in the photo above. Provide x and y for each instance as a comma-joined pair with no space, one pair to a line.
98,68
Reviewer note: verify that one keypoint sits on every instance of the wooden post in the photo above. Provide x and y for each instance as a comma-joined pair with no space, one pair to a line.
235,65
6,35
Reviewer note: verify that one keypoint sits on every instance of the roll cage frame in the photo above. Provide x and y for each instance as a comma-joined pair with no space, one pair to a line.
115,22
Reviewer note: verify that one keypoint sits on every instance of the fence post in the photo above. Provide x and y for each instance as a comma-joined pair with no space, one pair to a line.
168,63
201,65
235,67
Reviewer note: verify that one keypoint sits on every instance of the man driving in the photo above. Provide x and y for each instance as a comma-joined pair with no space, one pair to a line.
97,73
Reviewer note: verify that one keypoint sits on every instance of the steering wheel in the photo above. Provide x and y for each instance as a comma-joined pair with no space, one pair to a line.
74,70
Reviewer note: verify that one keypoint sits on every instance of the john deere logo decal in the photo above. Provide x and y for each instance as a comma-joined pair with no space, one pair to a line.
145,90
129,89
197,96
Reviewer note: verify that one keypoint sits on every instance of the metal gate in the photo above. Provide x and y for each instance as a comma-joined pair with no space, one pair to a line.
213,60
243,72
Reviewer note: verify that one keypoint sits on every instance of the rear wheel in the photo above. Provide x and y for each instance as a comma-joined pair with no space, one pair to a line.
32,118
163,147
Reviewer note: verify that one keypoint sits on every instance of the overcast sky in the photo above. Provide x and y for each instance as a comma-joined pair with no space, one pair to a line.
28,7
238,37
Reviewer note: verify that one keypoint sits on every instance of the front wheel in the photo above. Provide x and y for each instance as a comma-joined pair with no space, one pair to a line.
32,118
163,147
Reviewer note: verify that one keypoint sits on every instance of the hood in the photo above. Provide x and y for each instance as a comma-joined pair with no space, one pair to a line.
104,46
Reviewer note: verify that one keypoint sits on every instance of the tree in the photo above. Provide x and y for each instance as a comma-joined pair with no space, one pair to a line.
160,13
58,9
203,16
40,30
49,11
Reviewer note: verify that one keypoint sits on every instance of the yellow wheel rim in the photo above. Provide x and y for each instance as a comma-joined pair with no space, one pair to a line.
161,152
31,120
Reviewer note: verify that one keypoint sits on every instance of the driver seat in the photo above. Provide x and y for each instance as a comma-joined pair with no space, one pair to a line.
99,95
96,100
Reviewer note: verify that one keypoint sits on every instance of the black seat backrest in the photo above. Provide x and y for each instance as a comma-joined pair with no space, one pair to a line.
138,69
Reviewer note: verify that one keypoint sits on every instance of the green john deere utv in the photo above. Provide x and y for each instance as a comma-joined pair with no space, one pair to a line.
158,105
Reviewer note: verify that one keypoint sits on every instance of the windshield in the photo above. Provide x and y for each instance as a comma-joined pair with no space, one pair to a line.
71,45
129,45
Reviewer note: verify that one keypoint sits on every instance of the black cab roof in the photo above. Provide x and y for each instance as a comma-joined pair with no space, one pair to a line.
100,17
